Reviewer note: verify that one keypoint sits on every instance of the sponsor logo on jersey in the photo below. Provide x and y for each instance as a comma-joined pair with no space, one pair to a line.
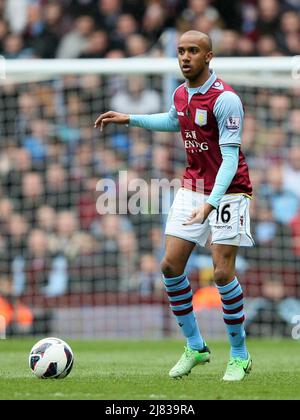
192,144
201,117
233,124
180,114
223,227
190,135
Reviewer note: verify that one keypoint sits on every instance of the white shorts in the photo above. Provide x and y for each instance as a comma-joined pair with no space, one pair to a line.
230,225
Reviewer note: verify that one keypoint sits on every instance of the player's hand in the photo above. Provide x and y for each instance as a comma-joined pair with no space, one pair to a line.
199,215
111,117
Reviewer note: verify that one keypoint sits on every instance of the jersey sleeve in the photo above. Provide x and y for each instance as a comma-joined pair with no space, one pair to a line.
229,114
225,175
167,121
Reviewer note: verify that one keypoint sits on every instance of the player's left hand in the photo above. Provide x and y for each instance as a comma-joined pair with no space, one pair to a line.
199,215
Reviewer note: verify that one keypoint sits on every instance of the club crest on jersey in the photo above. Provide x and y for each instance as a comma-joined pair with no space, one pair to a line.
233,123
201,117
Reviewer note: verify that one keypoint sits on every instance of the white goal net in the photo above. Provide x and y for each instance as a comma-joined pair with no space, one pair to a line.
67,269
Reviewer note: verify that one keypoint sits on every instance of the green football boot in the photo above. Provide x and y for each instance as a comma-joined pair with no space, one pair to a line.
188,360
237,369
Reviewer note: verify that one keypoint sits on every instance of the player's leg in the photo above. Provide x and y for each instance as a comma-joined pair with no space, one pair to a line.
180,295
231,293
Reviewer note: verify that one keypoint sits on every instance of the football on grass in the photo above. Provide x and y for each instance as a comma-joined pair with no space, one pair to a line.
51,358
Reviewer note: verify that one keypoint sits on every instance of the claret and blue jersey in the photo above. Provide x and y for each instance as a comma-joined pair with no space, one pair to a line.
210,119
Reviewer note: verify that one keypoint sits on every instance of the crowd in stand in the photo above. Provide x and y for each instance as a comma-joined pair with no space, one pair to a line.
126,28
52,239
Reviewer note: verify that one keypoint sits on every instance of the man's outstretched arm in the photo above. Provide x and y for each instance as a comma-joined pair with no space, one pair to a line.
167,121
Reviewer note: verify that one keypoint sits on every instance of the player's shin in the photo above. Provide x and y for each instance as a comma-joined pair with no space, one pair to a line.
233,313
180,296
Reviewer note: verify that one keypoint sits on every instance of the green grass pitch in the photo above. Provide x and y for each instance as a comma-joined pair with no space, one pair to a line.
123,370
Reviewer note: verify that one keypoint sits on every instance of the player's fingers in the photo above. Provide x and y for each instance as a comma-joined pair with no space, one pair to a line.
189,222
193,215
191,219
104,122
98,122
100,119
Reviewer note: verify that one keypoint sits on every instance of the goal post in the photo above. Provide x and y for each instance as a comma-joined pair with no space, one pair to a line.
84,273
145,65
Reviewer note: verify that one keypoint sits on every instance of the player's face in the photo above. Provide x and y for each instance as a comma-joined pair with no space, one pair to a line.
193,58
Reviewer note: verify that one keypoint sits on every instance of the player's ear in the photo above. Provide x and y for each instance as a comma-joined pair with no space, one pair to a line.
209,56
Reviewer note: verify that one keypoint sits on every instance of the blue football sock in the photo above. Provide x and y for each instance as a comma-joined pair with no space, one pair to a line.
233,312
180,297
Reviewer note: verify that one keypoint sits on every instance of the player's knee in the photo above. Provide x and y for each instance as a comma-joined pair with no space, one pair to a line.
222,276
169,269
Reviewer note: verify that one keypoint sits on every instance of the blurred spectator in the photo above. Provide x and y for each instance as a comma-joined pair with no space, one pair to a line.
140,151
66,239
136,45
97,45
129,257
108,13
249,13
272,144
58,190
18,228
279,111
86,202
228,45
85,268
14,47
20,164
246,47
271,314
284,202
74,42
137,99
46,219
82,165
28,111
35,22
8,104
149,279
45,41
266,45
126,25
294,127
36,142
292,43
93,94
17,21
110,260
33,195
268,16
197,8
6,210
37,263
291,171
153,22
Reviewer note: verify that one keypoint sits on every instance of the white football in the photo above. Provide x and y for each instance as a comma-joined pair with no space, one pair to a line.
51,358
